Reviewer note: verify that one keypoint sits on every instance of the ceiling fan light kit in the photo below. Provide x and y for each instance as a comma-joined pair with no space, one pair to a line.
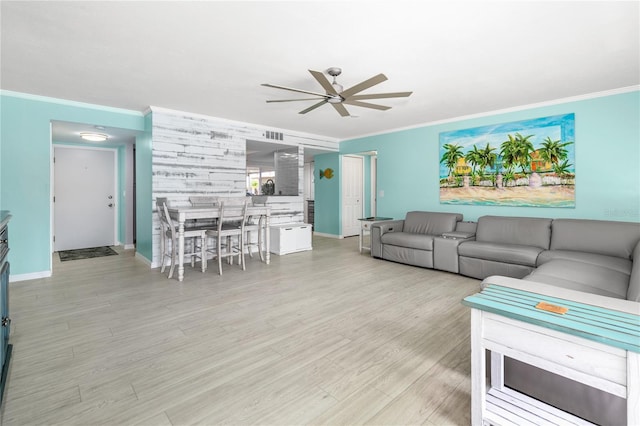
337,97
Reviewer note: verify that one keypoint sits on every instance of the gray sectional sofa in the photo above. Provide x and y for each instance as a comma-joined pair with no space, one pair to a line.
592,256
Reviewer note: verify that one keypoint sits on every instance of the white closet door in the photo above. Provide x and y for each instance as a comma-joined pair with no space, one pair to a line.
352,194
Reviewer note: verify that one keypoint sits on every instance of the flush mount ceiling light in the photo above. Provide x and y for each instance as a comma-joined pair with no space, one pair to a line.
94,137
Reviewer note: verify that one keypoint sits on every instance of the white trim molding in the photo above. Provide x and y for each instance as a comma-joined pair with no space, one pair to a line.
577,98
29,276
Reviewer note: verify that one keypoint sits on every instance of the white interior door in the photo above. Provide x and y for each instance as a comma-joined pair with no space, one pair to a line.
352,194
84,197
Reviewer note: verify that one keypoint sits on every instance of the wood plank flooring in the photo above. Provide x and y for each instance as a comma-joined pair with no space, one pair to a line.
329,336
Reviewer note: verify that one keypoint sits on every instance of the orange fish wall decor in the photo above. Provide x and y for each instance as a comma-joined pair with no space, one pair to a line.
326,173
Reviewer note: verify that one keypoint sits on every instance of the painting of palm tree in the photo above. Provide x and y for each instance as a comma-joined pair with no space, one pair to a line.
474,158
450,157
487,157
516,151
522,163
554,151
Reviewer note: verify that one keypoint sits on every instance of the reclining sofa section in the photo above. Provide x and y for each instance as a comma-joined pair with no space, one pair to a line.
410,240
506,246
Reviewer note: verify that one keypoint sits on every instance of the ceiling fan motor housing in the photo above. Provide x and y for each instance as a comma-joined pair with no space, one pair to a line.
334,71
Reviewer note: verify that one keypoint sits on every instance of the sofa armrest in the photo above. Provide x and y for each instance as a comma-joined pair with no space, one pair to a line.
458,235
380,228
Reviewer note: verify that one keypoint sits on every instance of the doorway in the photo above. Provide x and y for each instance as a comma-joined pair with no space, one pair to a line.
84,197
352,194
123,142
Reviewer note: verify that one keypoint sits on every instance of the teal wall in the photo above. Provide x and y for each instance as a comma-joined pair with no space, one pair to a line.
607,164
327,195
25,172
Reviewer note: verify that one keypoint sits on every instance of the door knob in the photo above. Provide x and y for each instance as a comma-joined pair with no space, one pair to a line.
110,197
110,204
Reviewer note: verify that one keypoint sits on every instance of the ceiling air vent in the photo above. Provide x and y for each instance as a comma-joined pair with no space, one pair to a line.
276,136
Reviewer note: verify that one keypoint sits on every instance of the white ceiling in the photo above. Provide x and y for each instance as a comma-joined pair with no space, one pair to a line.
459,58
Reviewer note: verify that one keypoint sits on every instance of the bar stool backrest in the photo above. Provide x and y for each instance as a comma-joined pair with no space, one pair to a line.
203,200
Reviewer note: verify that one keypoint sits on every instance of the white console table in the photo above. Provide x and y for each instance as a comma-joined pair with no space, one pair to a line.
590,344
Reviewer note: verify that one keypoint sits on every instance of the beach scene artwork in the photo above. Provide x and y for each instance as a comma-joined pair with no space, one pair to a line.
527,163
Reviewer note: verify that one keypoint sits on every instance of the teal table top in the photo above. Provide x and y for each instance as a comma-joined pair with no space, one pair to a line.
614,328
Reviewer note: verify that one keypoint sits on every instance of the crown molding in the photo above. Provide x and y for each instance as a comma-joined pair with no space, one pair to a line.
66,102
559,101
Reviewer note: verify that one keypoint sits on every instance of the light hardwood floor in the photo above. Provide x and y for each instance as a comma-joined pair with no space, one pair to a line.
329,336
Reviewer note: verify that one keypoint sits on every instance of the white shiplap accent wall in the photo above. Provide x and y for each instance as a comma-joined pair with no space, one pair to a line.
193,156
199,155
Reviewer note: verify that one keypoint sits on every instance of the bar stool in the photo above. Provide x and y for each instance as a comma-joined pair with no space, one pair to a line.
255,223
229,234
169,235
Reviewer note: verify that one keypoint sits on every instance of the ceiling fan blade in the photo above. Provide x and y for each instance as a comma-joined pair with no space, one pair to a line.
341,110
380,96
323,95
364,85
365,104
324,82
293,100
312,107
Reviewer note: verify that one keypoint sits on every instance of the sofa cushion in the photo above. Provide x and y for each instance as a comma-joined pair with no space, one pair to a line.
615,263
506,253
523,231
409,240
583,277
595,236
431,223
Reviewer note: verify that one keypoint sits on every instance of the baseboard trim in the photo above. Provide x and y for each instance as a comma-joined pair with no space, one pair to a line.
129,246
30,276
322,234
144,259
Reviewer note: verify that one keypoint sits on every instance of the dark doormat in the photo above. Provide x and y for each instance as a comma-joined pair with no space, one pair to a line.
87,253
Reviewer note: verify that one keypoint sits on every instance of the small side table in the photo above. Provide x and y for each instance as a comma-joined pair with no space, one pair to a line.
590,344
365,229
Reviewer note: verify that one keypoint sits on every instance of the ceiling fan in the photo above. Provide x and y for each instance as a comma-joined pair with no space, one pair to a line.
338,97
